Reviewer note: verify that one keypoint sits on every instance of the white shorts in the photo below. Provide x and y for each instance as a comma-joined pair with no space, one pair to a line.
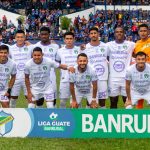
2,97
116,87
17,87
135,97
102,92
64,90
80,95
48,95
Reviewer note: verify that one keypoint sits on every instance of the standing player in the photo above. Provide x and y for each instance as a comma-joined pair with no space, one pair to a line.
7,69
138,80
49,49
66,55
120,53
37,78
144,46
97,55
83,83
20,53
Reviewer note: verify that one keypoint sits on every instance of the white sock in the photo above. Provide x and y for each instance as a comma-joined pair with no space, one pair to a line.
104,107
31,105
39,106
63,103
50,104
12,103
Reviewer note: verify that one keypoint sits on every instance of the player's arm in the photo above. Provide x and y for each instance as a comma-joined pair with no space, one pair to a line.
65,67
27,83
10,85
128,91
94,83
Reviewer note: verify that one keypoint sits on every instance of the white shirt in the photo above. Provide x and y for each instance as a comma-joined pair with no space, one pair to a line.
140,81
68,57
20,55
83,81
97,56
6,70
40,73
119,57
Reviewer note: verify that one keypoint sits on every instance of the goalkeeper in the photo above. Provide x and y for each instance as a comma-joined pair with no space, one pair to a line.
83,83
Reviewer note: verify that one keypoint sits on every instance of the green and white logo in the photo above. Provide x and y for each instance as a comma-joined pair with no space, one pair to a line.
76,51
25,49
6,69
88,77
102,49
50,50
146,76
44,67
125,46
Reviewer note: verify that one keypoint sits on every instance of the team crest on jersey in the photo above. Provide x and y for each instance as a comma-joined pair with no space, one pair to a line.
6,122
125,47
6,69
25,49
88,77
44,67
76,51
146,76
50,50
102,49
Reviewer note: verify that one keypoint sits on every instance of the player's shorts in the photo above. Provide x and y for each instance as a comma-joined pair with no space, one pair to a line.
2,97
87,96
17,87
64,91
135,97
116,87
102,89
48,94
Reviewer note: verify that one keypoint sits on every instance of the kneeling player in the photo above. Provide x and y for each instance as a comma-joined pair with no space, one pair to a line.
83,83
138,81
37,79
7,69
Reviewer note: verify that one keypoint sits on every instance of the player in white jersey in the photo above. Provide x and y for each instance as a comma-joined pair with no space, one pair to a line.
49,49
7,73
120,54
97,55
37,78
138,80
20,53
83,83
66,55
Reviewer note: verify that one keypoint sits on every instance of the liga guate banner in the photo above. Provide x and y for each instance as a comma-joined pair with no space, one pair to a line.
74,123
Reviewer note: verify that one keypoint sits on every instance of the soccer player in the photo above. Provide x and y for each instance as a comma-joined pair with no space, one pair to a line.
20,53
7,73
144,46
37,78
66,55
97,55
49,49
83,83
138,80
120,54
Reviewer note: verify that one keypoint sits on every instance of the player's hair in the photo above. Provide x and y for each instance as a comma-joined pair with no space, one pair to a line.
143,25
20,31
140,53
82,54
69,33
44,28
120,27
4,47
37,49
93,28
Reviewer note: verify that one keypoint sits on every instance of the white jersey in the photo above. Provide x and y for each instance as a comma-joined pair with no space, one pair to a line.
20,55
6,70
40,73
83,81
97,56
68,57
119,57
140,81
49,51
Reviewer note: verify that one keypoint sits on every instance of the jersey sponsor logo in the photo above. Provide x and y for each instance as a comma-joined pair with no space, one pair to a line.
119,66
100,70
20,66
6,123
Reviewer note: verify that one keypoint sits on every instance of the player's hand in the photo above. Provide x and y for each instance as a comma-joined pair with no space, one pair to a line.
94,104
82,47
30,96
7,94
71,69
74,104
27,43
